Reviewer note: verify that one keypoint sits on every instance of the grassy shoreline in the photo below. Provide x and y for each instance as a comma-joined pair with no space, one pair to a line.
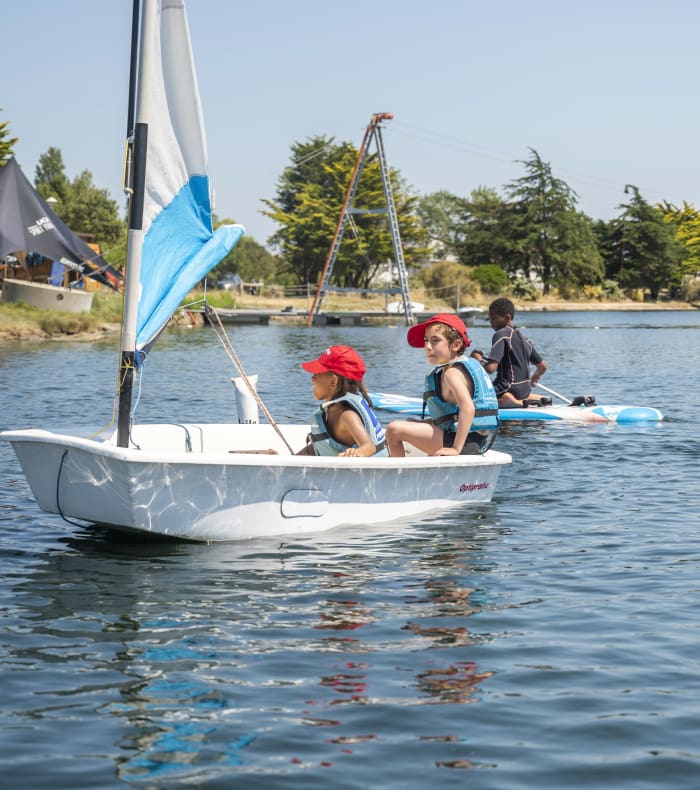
19,322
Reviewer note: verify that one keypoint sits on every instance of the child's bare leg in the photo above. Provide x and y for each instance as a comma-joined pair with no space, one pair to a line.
508,401
420,434
395,437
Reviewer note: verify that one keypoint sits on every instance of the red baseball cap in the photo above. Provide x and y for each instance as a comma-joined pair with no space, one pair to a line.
416,334
343,360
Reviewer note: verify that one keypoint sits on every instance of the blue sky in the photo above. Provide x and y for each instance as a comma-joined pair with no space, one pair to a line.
604,91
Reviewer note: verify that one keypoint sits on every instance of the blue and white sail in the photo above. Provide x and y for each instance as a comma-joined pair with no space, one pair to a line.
178,245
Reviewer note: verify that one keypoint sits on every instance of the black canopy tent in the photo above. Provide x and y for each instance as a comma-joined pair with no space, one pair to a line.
27,223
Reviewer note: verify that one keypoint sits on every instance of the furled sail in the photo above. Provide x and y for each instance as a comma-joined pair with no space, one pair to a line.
179,247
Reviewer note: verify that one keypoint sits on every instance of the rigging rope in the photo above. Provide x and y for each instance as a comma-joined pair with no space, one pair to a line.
220,332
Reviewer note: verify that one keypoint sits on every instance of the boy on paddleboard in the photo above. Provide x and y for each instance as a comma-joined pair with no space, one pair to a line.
510,357
459,397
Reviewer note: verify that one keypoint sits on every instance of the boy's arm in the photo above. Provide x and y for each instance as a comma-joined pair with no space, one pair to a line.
539,372
495,355
487,364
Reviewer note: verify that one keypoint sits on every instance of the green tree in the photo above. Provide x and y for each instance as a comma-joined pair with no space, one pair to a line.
249,259
491,278
579,262
308,163
645,245
449,281
50,177
91,210
608,248
480,229
548,237
84,207
305,224
7,143
310,195
686,224
439,214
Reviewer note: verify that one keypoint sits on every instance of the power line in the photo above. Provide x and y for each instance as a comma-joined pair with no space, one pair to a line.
442,140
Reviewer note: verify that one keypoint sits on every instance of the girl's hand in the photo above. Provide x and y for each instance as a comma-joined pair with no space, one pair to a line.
447,451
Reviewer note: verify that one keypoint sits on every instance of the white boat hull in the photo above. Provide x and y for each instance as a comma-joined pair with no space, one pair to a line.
227,487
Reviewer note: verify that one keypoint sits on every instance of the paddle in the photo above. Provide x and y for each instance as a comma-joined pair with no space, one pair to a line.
552,392
579,400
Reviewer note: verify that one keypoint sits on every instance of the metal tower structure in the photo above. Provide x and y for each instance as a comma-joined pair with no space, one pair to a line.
373,133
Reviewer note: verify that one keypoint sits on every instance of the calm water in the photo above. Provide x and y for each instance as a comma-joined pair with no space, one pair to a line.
548,639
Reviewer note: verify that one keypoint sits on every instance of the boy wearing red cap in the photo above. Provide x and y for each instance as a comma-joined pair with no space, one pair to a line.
345,423
459,396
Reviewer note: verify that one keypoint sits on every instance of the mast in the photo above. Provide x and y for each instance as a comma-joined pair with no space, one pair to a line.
136,170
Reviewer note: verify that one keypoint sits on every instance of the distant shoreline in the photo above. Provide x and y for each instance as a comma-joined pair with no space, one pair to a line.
588,306
35,333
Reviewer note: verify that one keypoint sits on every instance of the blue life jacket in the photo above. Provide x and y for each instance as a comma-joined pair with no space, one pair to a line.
445,414
324,444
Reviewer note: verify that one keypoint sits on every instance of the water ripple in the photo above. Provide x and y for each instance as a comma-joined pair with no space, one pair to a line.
546,639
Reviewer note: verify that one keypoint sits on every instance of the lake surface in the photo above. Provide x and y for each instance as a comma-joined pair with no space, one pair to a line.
548,639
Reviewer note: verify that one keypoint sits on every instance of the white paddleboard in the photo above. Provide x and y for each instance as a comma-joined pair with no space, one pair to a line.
622,413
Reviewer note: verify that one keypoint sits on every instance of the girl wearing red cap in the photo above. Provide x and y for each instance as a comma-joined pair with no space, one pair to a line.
345,423
459,396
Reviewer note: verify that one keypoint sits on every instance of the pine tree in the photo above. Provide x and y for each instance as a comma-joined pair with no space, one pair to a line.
549,237
7,143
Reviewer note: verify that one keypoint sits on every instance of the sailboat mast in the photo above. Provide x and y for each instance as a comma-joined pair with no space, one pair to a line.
139,146
133,71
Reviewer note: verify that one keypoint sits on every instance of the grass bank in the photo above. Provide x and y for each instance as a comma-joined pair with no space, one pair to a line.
19,322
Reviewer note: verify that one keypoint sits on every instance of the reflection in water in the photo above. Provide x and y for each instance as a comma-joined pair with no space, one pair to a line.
270,664
440,635
175,729
204,650
438,629
174,714
344,616
455,684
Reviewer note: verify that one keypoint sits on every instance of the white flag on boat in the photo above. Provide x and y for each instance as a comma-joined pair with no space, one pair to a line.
179,247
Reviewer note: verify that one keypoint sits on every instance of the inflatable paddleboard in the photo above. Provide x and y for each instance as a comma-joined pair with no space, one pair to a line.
624,414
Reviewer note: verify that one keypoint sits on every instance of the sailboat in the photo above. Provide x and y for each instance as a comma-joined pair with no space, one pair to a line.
208,482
